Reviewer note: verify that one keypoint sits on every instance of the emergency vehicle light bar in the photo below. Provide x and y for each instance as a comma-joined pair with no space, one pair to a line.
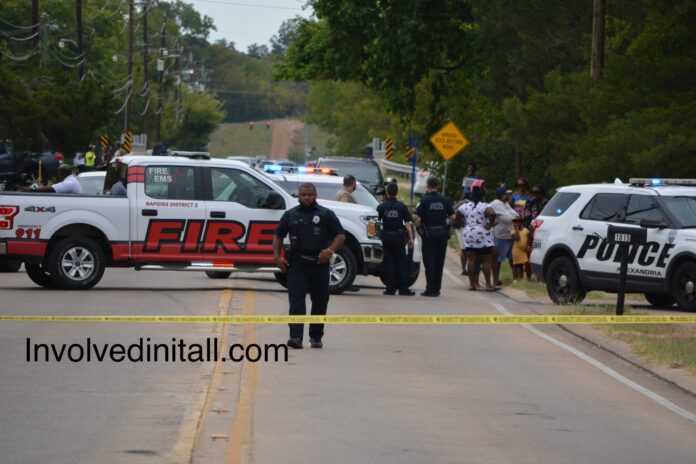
656,181
209,265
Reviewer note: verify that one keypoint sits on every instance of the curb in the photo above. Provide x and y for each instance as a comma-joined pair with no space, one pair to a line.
682,381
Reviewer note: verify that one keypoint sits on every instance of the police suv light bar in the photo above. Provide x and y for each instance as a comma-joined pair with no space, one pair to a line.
657,181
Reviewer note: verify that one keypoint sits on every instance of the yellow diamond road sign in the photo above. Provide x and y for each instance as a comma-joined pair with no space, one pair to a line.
449,140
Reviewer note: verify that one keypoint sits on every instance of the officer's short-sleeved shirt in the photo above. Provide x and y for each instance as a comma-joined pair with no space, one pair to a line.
434,209
393,214
318,221
69,185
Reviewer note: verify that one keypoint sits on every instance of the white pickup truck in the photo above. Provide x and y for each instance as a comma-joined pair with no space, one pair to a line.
217,216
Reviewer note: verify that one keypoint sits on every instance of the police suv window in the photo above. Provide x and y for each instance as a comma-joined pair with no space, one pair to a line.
606,207
239,187
642,207
170,182
560,203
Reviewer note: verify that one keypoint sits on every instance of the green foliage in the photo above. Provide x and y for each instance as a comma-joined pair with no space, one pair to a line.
202,114
43,106
514,76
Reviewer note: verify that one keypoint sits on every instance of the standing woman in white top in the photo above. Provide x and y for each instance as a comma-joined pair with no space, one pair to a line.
479,219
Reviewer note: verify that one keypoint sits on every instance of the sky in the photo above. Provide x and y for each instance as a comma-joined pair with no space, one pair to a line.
248,21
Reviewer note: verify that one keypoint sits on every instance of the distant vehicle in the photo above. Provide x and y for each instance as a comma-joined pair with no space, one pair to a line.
327,186
92,182
251,161
190,154
419,187
366,171
275,165
19,169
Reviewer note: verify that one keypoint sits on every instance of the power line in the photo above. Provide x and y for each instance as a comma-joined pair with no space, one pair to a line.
270,7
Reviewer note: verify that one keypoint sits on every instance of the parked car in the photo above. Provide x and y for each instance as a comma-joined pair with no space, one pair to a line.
366,171
251,161
92,182
327,186
572,253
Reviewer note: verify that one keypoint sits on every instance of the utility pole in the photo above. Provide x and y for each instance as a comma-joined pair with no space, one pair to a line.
81,66
146,8
160,91
35,29
177,89
598,20
129,85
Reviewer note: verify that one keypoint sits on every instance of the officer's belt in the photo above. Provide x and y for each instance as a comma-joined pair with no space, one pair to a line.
436,227
312,258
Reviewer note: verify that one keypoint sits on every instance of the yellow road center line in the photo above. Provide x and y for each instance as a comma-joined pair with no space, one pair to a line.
189,438
384,319
241,428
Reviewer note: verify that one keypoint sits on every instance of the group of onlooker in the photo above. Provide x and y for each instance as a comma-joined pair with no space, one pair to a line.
491,233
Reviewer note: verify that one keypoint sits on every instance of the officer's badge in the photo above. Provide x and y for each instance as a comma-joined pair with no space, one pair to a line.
315,219
672,236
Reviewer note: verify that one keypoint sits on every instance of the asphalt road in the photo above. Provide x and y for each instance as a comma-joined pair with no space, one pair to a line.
387,394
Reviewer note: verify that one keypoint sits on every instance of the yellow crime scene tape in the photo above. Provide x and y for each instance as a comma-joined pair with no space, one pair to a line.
401,319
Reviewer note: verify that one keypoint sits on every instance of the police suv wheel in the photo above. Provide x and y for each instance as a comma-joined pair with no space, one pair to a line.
76,263
659,300
218,274
9,265
342,270
562,282
39,275
684,286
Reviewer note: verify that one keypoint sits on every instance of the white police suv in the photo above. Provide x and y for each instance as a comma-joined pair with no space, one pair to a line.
571,253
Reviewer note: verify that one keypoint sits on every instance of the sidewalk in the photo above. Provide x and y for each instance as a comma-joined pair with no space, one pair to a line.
678,377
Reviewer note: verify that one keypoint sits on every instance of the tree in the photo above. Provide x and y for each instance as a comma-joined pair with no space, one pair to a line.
257,51
202,115
286,34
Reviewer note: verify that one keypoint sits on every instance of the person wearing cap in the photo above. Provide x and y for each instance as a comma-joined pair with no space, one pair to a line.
504,215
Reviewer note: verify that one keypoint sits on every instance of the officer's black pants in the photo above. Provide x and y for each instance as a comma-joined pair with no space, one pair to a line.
308,277
434,250
395,264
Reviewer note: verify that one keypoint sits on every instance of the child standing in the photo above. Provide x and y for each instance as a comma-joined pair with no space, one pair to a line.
519,250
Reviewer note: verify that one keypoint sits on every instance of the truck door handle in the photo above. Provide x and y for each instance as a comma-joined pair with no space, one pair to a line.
149,212
578,228
217,214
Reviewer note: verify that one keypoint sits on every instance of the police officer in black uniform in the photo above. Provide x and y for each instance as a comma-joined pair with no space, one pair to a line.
315,235
396,221
434,210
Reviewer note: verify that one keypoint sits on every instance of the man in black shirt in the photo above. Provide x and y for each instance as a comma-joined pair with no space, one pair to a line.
315,235
396,226
434,210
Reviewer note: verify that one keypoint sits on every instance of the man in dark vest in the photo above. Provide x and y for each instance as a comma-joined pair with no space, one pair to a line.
434,210
315,235
396,233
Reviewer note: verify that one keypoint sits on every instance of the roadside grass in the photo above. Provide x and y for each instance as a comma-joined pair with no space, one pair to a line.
670,344
236,139
673,345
